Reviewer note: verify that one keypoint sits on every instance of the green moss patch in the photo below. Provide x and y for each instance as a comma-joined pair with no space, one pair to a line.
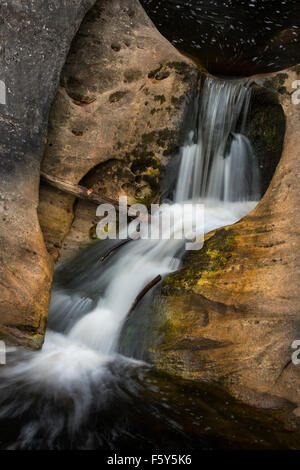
205,266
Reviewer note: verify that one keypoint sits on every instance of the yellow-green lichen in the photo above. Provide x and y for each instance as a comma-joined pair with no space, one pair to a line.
203,267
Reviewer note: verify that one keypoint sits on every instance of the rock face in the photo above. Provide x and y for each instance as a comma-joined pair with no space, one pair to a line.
230,315
35,40
100,113
118,116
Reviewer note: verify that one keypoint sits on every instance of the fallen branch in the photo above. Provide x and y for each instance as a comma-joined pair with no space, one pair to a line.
112,249
78,191
144,292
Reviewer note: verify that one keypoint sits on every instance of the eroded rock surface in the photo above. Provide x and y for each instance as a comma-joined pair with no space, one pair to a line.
119,114
230,315
266,128
124,95
34,40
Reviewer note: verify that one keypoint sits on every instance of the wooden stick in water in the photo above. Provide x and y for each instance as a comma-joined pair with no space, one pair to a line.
144,292
112,249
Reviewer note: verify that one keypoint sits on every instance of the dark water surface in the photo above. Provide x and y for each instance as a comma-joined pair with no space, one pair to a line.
232,37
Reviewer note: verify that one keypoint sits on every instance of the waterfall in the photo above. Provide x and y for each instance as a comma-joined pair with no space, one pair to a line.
220,165
217,168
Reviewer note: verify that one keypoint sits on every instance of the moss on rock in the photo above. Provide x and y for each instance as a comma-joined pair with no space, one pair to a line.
267,129
202,268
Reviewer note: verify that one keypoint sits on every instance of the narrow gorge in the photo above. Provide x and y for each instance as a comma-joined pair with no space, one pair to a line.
107,341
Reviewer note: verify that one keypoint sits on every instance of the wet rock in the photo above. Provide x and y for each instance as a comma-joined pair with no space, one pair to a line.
35,39
118,116
266,128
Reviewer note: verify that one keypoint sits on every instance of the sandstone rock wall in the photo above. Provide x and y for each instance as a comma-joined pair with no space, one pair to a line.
34,40
121,84
118,116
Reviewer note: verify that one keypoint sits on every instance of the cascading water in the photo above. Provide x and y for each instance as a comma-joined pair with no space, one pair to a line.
220,164
79,357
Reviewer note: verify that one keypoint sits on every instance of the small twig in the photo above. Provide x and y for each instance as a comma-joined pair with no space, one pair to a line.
79,191
112,249
83,193
144,292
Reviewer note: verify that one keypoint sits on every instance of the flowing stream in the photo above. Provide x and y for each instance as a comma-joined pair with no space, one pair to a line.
90,301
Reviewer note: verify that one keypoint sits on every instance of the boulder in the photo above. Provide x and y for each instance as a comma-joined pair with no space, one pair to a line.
229,316
119,114
35,39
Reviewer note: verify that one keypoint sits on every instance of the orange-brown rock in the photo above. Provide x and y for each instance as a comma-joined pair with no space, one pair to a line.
123,98
35,38
118,116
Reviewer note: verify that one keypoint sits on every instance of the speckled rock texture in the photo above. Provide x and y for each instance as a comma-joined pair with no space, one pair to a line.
123,96
118,116
35,38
